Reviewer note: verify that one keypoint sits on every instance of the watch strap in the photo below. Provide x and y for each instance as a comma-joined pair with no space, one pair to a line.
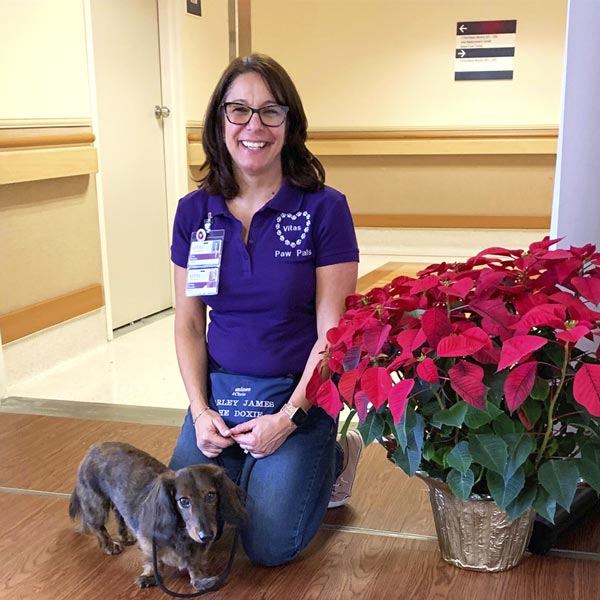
296,414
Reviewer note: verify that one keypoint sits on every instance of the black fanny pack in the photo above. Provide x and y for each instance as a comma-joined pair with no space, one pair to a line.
239,398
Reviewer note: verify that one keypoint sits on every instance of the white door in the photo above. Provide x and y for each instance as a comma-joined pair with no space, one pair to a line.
132,165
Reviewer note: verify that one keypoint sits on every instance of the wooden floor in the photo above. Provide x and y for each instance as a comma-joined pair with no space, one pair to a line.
380,546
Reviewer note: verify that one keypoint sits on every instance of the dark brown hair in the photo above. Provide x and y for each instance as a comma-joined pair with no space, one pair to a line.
302,168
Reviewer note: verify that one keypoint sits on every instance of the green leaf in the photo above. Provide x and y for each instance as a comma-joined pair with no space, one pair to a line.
409,459
503,424
461,484
540,390
476,418
589,465
520,447
372,428
495,381
559,479
459,457
532,409
454,415
441,455
522,502
505,491
555,353
544,505
429,452
490,451
404,427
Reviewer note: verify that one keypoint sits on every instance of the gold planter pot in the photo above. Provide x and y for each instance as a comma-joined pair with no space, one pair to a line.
475,533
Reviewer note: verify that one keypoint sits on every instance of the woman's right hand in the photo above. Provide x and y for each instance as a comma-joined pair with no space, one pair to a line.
212,435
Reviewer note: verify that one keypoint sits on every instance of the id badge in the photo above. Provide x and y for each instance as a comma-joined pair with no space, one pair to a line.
204,262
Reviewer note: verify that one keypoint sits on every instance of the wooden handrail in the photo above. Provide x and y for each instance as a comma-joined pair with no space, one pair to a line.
439,221
542,133
416,142
432,134
40,140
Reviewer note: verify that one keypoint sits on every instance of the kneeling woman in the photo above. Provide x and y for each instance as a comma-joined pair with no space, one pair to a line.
272,251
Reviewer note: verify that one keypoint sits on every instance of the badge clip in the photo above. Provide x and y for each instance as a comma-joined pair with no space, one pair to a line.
208,223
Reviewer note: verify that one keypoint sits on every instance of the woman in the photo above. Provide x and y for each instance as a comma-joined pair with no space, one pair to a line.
289,259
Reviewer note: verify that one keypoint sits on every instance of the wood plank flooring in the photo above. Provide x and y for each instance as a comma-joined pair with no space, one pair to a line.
380,546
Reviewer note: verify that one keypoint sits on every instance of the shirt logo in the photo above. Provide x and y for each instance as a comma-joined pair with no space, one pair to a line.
292,229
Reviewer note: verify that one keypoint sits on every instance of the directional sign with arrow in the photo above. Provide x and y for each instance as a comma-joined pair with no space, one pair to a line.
485,50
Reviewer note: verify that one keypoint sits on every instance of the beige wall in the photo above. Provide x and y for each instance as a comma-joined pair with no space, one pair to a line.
390,63
205,55
48,240
369,64
498,185
49,235
44,71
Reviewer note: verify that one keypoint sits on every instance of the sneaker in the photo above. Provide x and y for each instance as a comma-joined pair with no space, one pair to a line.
342,488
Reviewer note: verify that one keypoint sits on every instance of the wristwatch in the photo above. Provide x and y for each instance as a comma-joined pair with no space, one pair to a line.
296,414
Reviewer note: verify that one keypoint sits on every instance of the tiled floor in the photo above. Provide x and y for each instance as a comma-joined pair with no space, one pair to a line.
137,368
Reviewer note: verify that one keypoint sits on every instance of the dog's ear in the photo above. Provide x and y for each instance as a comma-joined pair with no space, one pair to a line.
231,499
159,515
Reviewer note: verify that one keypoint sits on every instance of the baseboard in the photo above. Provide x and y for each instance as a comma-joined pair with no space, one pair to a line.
36,317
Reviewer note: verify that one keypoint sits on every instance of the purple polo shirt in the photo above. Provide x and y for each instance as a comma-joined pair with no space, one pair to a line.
263,320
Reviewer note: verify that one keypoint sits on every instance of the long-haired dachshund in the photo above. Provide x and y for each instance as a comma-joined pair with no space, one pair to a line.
180,509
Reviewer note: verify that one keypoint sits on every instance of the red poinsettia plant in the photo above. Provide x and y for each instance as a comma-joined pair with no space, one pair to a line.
482,374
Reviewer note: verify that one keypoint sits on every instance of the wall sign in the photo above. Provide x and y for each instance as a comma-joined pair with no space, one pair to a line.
193,7
485,50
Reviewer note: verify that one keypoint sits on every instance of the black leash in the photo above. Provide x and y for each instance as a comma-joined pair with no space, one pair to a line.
219,580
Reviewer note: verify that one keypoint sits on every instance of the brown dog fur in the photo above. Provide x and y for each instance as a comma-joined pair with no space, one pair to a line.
180,509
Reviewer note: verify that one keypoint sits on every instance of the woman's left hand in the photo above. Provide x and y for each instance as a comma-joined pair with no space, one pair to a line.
260,437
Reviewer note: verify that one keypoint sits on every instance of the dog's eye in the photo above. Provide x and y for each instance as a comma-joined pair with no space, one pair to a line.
211,497
184,502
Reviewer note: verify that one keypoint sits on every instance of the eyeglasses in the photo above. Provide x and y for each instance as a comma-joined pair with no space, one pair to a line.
271,116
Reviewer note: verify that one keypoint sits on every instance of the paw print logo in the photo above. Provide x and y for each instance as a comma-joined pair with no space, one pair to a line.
292,228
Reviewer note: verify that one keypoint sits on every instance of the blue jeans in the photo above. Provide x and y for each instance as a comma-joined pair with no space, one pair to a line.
288,491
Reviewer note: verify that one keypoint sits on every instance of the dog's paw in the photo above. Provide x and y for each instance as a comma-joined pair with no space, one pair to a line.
205,584
145,581
128,539
112,548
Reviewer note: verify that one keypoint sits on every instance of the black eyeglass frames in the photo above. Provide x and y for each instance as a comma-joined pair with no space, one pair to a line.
272,115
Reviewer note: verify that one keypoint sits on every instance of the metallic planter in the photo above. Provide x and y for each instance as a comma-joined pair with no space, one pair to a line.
475,533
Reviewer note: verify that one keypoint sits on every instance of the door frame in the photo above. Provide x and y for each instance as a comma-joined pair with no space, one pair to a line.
170,32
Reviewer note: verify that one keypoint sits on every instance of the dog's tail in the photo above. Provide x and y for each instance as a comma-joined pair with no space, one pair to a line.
74,505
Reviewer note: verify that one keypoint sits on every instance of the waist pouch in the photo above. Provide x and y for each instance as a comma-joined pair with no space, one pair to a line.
239,398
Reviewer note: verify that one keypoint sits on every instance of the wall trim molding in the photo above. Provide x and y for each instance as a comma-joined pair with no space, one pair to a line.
480,140
47,139
36,149
437,221
41,315
47,163
414,142
42,123
541,131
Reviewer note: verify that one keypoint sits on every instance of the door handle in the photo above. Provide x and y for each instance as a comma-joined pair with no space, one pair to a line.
161,112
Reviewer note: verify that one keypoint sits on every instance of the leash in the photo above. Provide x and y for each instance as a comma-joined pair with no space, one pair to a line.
221,578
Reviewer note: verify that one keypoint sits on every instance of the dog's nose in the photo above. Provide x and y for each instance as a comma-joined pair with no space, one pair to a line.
205,537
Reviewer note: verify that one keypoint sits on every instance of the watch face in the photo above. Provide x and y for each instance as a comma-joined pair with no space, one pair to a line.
299,417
